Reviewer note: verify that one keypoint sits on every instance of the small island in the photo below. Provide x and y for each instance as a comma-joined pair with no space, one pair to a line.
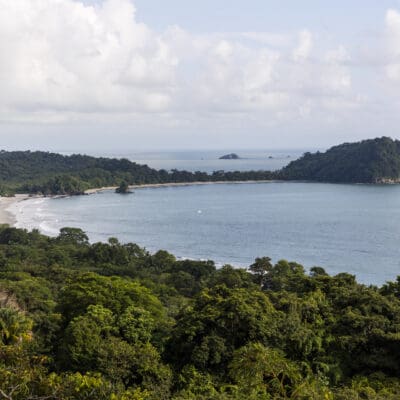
123,188
231,156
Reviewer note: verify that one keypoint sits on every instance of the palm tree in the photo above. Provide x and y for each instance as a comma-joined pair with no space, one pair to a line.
14,326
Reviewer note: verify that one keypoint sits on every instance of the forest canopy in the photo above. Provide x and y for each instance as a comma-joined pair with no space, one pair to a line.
369,161
55,174
81,320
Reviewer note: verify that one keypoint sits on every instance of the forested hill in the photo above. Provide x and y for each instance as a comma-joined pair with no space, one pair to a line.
110,321
50,173
369,161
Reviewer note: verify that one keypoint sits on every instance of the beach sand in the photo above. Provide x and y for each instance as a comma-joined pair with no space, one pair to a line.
172,184
6,216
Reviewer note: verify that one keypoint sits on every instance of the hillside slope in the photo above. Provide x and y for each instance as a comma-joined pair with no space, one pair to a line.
369,161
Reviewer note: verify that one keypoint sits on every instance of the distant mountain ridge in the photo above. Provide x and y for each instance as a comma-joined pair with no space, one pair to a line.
369,161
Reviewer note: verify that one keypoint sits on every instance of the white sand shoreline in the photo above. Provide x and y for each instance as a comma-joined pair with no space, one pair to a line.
176,184
6,215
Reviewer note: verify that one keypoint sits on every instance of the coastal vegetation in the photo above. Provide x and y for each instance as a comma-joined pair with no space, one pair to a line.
123,188
369,161
55,174
81,320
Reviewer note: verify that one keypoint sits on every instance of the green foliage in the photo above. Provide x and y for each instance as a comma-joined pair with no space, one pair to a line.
196,385
136,325
264,373
369,161
261,268
112,292
122,188
111,321
220,320
73,236
14,326
55,174
85,335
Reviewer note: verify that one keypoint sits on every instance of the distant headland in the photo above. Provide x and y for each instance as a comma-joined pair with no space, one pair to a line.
369,161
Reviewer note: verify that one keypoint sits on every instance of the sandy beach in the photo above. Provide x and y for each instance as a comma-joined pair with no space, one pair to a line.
174,184
6,216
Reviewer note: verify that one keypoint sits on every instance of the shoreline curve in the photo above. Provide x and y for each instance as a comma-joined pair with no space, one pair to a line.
178,184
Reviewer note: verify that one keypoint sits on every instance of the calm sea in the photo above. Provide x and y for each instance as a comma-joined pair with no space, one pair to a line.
208,161
352,228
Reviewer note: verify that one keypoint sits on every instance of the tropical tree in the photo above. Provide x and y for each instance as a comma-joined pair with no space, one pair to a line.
15,327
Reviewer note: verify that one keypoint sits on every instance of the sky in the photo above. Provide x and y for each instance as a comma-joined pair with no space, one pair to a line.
178,74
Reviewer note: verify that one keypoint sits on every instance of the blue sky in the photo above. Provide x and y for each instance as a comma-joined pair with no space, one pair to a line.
339,17
198,74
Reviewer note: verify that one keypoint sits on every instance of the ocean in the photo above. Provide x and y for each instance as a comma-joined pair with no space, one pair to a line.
343,228
207,161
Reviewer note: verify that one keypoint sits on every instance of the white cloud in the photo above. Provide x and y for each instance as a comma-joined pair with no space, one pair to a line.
337,56
61,55
393,44
60,58
304,48
266,38
223,50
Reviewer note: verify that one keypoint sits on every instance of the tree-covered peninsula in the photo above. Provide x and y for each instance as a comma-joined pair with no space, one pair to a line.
110,321
55,174
369,161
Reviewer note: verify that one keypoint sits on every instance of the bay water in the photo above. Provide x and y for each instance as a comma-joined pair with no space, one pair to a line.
343,228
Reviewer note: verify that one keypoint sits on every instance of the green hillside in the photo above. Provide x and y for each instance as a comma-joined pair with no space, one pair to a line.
51,173
369,161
